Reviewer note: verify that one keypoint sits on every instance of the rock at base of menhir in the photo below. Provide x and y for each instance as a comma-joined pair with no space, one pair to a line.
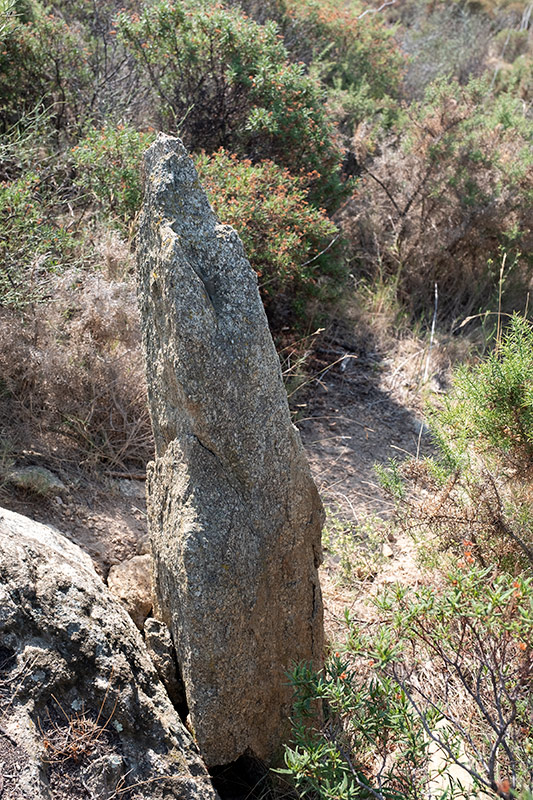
235,518
83,713
131,583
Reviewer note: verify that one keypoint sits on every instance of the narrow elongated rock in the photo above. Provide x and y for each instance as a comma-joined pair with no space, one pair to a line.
234,516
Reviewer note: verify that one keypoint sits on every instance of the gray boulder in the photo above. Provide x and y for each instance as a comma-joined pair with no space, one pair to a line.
234,516
82,711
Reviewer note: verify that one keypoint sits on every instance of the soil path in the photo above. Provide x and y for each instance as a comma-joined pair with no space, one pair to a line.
364,409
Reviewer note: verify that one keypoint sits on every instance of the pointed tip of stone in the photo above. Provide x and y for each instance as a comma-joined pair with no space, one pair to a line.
161,149
164,143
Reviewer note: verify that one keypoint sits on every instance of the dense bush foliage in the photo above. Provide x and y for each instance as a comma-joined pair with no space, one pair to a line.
354,54
44,61
447,179
355,46
108,169
474,497
281,231
32,246
491,405
225,81
481,482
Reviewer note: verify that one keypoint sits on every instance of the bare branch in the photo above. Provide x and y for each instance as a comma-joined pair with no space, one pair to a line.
377,10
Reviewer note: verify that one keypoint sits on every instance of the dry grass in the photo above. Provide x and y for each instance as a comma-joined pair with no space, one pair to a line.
78,737
72,385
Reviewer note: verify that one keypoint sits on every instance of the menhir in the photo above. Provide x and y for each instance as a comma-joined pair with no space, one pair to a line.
234,516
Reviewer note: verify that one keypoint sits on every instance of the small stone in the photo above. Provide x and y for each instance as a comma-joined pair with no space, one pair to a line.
143,546
161,651
38,480
132,488
131,583
387,551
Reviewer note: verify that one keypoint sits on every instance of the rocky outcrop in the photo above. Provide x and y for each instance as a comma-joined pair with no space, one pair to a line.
82,712
234,516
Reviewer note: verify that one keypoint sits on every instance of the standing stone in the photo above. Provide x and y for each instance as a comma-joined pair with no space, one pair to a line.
234,516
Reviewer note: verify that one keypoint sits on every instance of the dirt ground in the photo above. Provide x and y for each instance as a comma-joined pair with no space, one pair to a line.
363,406
363,411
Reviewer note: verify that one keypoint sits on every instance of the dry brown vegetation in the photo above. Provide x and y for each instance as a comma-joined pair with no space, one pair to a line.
73,385
442,201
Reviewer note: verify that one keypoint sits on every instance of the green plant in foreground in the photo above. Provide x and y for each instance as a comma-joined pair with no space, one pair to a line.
441,679
477,501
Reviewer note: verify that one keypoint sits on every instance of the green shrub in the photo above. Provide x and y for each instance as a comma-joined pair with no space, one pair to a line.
108,163
225,81
44,61
517,79
490,407
268,207
34,245
354,54
484,432
439,679
512,43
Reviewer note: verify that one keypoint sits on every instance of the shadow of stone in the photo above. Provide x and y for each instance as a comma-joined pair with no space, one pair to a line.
350,422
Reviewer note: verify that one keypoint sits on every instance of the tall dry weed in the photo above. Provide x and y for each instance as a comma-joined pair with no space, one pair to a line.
443,201
72,385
